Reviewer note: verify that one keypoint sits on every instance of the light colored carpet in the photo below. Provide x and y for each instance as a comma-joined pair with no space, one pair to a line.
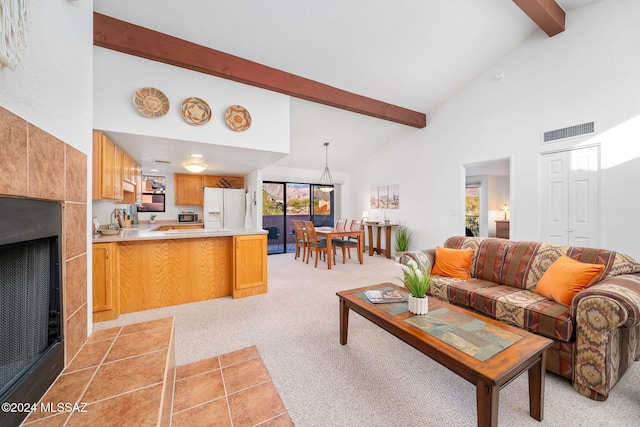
374,380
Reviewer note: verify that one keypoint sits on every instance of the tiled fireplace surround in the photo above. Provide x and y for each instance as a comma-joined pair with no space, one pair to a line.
35,164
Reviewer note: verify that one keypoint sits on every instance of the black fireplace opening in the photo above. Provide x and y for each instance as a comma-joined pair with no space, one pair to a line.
31,330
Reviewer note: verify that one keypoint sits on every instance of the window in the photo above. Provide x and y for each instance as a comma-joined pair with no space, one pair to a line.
152,203
153,194
472,210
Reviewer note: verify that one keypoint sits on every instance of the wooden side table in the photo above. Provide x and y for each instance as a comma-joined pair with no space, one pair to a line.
379,226
502,229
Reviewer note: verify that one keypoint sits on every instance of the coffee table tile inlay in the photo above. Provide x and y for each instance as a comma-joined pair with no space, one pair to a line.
520,351
468,334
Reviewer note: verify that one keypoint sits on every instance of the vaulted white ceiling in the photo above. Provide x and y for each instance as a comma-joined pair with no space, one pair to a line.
414,54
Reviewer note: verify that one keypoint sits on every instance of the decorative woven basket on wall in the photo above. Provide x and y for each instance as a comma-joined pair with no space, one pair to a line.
14,20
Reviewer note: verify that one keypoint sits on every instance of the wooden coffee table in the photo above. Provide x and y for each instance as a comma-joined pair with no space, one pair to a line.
489,363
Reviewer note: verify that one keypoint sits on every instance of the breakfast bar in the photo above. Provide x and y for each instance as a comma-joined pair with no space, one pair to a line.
152,266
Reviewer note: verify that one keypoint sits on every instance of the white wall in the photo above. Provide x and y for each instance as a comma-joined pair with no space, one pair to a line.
118,76
589,72
53,87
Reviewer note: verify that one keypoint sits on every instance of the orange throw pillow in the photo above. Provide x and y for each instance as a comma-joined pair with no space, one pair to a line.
566,277
453,263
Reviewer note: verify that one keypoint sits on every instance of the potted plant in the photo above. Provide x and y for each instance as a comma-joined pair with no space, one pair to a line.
417,281
152,218
403,240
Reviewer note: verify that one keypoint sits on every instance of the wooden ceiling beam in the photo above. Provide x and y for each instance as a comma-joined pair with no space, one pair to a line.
139,41
547,14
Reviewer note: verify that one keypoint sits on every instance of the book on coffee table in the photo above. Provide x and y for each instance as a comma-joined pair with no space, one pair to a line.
377,297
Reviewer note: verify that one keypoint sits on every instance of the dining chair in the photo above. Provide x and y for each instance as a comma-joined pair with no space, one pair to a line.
301,241
356,225
314,244
350,242
341,225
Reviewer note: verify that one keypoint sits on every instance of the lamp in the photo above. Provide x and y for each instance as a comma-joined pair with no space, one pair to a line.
326,182
505,208
195,167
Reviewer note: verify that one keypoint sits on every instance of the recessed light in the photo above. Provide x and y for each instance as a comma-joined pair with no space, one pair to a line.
196,155
154,170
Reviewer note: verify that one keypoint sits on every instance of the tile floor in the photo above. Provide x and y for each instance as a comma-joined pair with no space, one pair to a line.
118,379
234,389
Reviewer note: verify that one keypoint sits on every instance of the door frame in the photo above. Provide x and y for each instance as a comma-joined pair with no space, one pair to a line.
484,202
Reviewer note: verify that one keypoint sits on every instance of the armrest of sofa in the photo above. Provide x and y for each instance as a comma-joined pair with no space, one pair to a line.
606,317
618,295
424,258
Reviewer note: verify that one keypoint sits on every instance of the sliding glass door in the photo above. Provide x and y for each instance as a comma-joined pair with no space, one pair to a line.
322,207
283,202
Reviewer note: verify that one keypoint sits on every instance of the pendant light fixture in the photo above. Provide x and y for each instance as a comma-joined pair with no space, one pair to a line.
326,181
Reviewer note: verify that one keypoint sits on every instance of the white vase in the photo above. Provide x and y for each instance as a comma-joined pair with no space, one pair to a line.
418,305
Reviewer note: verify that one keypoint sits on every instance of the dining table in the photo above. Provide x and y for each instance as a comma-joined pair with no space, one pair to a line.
331,232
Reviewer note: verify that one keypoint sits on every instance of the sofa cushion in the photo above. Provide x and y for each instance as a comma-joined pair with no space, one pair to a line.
461,292
544,256
440,287
489,259
525,309
518,259
622,264
566,277
453,263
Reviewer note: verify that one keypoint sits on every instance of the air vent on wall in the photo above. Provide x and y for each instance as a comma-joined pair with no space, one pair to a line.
568,132
161,162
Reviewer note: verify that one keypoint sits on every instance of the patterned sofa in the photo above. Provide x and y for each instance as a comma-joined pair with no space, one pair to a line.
596,339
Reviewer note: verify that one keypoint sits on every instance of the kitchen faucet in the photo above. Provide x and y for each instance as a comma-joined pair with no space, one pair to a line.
113,222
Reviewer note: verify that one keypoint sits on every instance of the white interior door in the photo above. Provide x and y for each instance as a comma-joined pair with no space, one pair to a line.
554,195
569,197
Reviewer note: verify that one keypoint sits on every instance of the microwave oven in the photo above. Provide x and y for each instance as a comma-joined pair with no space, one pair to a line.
188,217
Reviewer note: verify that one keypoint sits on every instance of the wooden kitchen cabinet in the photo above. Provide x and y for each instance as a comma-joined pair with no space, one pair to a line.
105,283
137,275
249,265
128,168
114,172
187,189
160,273
223,181
138,182
132,188
107,168
117,173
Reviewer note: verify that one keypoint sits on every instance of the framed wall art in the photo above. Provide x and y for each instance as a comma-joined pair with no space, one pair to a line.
384,197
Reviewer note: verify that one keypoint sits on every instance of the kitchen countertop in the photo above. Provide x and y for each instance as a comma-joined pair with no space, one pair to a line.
151,232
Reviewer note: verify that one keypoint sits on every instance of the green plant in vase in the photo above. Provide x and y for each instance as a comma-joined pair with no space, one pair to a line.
403,240
417,281
152,218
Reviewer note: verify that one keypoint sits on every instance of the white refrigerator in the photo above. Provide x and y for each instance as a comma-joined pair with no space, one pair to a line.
224,208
